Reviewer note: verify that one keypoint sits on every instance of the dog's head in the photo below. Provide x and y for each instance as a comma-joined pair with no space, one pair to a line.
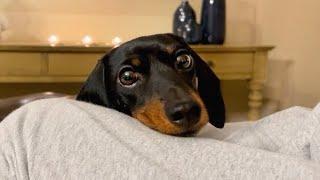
160,81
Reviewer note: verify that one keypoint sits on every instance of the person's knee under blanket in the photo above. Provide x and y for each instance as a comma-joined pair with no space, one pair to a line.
67,139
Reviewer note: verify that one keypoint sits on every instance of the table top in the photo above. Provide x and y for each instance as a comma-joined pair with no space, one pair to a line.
106,48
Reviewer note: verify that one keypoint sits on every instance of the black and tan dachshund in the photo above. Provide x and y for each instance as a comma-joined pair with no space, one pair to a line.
160,81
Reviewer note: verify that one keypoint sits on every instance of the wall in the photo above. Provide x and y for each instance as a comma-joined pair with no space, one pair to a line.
294,26
33,20
291,25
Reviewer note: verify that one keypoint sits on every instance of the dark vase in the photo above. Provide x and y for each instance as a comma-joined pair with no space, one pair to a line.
185,24
213,21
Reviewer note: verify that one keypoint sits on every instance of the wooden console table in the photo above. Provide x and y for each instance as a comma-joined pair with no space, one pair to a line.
71,64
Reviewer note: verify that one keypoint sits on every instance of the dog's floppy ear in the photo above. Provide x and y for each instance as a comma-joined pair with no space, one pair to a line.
210,92
94,89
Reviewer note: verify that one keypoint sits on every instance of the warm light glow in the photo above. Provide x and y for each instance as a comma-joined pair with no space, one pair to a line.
116,41
53,40
87,41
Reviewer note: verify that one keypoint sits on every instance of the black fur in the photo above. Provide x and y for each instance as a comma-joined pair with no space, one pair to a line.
209,90
94,90
160,78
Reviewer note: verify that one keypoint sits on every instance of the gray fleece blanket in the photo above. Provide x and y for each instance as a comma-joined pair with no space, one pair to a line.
66,139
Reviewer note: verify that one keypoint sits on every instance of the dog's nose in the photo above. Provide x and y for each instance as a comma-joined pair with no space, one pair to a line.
185,114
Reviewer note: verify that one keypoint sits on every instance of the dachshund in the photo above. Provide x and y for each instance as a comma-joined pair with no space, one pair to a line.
160,81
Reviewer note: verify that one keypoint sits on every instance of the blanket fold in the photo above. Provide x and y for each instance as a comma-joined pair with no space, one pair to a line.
67,139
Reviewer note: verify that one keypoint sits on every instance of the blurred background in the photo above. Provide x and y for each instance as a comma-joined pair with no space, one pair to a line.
291,26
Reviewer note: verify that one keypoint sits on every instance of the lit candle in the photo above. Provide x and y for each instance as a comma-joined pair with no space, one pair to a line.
116,41
87,41
53,40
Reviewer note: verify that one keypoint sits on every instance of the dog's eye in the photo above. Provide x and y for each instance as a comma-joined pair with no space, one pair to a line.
184,62
128,77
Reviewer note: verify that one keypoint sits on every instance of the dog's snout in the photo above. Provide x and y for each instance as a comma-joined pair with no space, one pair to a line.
185,114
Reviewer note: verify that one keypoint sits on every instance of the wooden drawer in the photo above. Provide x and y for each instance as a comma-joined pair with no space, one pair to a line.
15,64
72,64
229,62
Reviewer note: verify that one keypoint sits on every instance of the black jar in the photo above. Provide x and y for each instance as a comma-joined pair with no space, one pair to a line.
185,24
213,21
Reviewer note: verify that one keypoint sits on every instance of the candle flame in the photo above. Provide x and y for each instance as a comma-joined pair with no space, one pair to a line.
53,40
116,41
87,41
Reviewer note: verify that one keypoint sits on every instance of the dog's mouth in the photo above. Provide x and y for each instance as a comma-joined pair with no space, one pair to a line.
157,116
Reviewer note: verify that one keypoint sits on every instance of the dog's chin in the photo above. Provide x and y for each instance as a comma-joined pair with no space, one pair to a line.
190,133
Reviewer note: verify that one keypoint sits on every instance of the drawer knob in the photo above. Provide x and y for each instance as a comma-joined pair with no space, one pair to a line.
211,64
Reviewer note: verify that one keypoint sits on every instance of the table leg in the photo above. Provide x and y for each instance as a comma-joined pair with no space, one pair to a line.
256,85
255,100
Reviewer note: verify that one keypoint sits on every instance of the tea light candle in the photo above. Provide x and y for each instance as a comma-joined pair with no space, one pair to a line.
53,40
116,41
87,41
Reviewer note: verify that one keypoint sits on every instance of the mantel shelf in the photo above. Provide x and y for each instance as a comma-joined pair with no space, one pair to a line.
29,64
103,49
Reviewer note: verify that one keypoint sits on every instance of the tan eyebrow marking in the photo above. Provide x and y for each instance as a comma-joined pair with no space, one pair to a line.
136,62
170,49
